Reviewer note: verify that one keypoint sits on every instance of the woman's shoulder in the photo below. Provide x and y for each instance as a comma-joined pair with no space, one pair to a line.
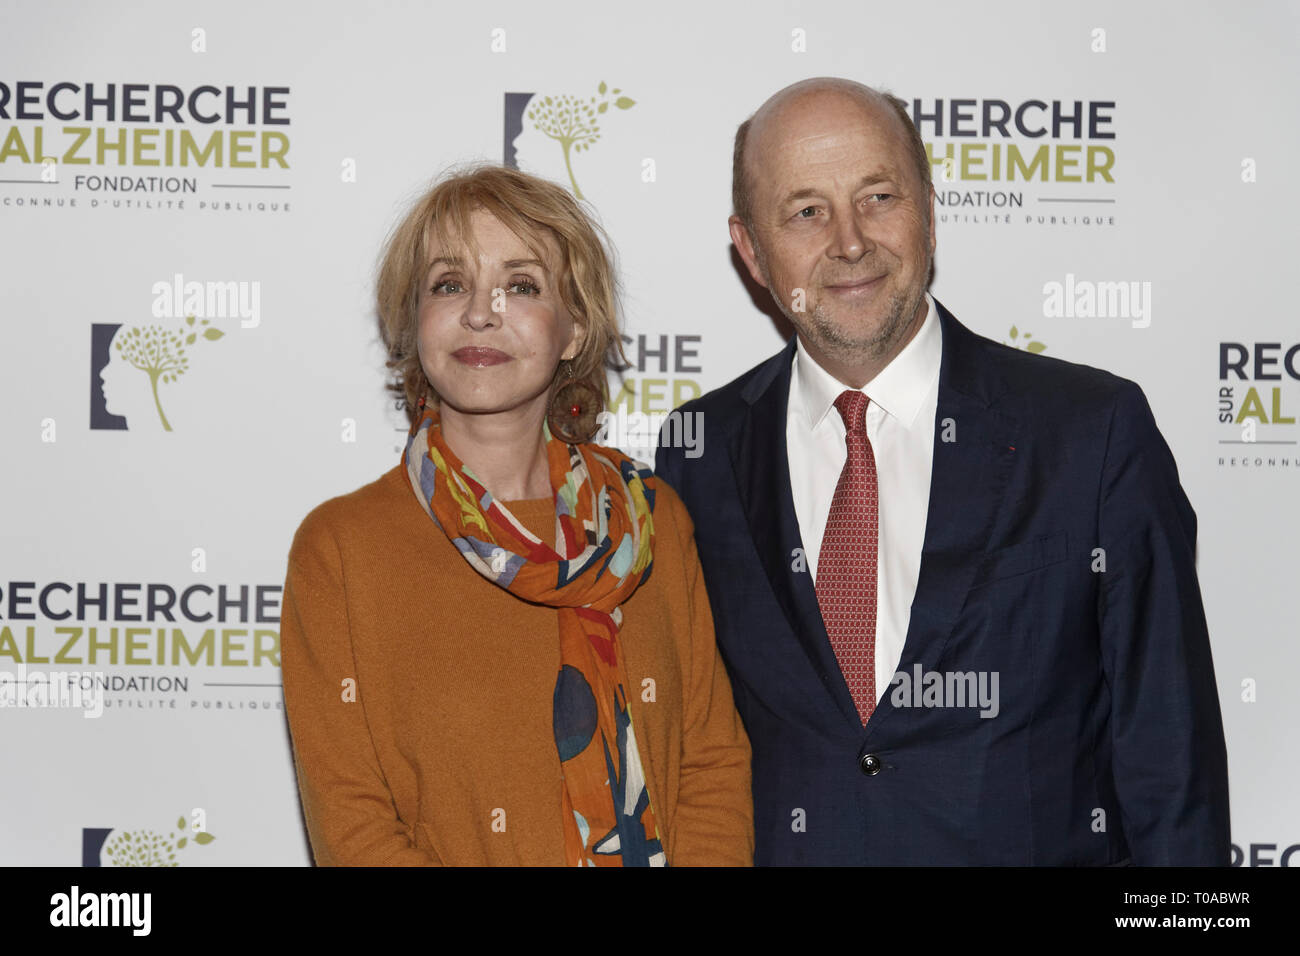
366,512
670,508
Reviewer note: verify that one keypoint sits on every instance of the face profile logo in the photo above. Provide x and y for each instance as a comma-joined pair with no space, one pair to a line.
129,363
571,122
141,847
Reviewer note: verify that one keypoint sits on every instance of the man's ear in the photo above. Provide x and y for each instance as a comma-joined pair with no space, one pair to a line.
745,246
932,239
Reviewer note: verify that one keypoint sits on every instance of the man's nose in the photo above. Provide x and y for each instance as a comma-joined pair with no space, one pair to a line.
849,239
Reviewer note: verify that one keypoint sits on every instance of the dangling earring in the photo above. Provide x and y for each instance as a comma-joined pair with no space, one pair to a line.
575,406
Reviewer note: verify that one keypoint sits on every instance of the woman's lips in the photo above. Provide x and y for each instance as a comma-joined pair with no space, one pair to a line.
478,357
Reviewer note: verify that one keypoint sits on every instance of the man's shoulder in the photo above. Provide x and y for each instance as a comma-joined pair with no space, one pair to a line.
1042,386
715,418
727,403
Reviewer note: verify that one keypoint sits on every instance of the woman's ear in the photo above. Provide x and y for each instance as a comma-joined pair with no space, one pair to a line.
579,339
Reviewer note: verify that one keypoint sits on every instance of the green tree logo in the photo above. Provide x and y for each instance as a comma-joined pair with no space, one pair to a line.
1035,346
150,848
160,353
573,123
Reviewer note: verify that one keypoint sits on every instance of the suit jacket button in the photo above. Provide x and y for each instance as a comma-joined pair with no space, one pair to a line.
870,764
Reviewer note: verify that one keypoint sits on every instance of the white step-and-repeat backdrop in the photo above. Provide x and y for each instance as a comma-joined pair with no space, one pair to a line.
193,198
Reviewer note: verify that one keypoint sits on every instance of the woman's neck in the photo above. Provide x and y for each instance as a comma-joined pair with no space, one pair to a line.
506,451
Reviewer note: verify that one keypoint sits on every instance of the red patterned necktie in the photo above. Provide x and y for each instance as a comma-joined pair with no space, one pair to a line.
846,566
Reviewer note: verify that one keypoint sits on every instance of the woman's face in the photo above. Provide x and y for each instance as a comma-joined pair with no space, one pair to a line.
492,331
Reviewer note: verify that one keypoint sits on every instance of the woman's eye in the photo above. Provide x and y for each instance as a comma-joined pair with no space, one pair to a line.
447,285
525,286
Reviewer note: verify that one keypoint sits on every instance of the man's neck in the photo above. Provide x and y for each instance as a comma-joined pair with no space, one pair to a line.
858,371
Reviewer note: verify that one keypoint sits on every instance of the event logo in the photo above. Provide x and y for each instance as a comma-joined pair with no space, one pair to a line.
1264,854
1023,340
572,122
1258,400
142,847
161,356
990,168
141,645
153,146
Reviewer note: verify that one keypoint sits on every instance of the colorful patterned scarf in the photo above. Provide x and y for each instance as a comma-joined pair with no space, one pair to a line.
604,532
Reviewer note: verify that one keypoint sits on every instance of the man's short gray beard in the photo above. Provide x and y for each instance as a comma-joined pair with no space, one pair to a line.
834,342
833,339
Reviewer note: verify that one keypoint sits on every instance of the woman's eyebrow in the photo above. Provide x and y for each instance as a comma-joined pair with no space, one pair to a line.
509,263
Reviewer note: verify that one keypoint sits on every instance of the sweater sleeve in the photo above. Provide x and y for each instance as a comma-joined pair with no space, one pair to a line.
715,808
349,810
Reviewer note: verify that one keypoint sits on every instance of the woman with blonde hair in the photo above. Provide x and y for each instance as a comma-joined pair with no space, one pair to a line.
480,667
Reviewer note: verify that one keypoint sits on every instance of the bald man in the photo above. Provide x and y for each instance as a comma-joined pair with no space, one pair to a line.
953,582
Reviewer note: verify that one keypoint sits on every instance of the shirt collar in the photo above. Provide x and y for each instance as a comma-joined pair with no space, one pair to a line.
899,388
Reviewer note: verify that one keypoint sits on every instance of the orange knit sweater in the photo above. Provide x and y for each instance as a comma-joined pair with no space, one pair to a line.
419,694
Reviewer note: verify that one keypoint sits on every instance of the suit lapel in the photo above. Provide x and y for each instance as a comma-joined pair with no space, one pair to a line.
762,470
974,452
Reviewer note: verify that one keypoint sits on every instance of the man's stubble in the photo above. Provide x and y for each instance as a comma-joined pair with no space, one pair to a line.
835,342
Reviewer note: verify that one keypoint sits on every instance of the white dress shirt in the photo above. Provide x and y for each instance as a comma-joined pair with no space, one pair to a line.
900,427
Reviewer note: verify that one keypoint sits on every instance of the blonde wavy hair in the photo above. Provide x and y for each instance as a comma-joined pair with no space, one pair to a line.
532,208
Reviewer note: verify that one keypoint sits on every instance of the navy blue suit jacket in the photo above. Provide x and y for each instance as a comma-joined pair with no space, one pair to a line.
1107,746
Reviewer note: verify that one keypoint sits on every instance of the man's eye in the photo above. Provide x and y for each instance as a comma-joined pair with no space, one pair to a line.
525,286
809,209
447,285
880,196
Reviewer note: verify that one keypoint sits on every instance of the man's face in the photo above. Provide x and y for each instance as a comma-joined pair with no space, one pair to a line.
843,231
